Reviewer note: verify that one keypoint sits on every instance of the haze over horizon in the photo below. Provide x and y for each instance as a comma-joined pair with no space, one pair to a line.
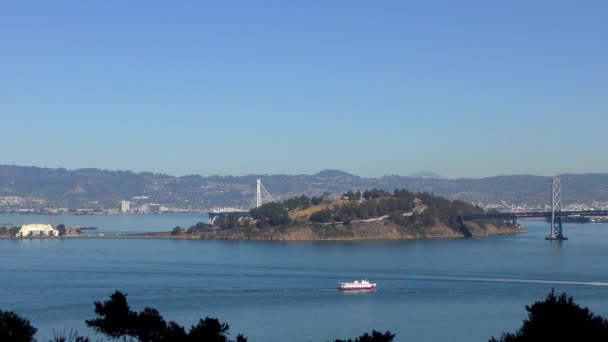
468,89
423,174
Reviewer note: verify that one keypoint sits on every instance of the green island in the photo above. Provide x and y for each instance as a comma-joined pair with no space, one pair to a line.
371,215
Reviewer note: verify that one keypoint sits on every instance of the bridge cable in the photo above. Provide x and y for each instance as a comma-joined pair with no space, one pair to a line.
533,193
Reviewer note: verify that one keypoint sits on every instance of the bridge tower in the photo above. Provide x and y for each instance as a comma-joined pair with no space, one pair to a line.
258,194
261,191
556,211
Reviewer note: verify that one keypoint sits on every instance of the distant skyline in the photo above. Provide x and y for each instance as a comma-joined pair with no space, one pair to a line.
462,89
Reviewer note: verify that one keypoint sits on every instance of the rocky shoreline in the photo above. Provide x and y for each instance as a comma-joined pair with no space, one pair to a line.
380,230
360,231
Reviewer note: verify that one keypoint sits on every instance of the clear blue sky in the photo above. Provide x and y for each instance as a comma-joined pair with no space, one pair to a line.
461,88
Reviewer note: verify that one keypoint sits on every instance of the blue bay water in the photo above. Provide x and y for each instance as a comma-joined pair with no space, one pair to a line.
428,290
110,224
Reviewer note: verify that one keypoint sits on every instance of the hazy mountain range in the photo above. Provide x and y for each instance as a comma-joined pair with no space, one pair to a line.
94,188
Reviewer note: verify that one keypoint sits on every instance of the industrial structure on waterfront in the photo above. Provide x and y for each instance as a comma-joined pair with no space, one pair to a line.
37,230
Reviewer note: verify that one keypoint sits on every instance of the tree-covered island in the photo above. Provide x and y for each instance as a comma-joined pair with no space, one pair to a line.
372,214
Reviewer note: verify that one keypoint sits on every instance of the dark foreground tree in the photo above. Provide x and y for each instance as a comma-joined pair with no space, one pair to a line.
559,318
376,336
15,328
72,336
116,320
211,330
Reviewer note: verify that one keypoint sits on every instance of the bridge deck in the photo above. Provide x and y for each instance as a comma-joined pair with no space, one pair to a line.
534,214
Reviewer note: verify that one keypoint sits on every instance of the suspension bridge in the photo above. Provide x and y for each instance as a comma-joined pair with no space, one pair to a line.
261,195
555,215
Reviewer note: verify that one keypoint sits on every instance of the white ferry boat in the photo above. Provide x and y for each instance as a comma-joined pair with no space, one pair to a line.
356,285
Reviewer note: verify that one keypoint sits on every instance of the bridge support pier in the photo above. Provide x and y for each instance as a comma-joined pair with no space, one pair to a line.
556,230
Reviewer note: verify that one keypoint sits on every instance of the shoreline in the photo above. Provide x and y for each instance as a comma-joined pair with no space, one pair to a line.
168,236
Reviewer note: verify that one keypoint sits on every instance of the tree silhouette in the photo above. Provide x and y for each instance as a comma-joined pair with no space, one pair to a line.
116,320
559,318
72,336
15,328
376,336
209,329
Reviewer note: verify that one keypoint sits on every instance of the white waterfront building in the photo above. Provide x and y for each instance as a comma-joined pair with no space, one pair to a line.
37,229
125,206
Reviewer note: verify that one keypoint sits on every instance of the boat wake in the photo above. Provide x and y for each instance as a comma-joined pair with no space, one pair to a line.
514,280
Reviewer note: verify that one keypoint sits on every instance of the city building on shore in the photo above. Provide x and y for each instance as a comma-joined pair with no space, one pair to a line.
125,206
37,229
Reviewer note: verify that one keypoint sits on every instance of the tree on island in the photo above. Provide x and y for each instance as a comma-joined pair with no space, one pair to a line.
352,196
316,200
198,227
298,202
61,229
558,318
177,230
273,214
320,216
13,231
228,221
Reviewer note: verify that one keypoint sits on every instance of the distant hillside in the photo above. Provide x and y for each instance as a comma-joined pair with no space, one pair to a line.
93,188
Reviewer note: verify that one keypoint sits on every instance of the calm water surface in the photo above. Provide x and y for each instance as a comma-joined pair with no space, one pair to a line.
453,290
110,224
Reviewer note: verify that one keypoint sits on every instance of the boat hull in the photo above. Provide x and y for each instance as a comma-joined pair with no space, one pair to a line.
357,288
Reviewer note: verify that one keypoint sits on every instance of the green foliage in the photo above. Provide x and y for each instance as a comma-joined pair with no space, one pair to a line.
352,196
559,318
197,228
375,193
3,230
438,209
301,202
116,321
229,221
273,214
13,328
177,230
61,229
320,216
13,231
375,336
422,209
